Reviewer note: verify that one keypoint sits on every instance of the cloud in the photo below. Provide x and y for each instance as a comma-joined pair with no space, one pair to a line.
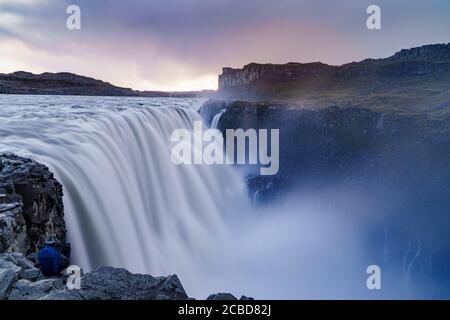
182,44
9,20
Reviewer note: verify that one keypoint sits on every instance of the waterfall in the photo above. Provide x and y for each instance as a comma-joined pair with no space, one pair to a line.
126,203
216,119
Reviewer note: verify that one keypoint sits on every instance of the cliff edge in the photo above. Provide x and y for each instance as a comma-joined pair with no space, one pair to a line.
412,80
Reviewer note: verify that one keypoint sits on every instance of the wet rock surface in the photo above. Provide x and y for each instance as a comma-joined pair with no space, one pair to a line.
109,283
353,147
31,206
105,283
21,280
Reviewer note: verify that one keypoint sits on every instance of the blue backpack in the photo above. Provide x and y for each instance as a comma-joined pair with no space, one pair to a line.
49,261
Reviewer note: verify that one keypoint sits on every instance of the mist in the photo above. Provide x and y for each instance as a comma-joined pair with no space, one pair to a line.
318,245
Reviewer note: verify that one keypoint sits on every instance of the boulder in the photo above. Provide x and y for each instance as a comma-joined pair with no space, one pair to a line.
20,265
8,265
20,279
222,296
109,283
31,274
7,279
12,227
62,295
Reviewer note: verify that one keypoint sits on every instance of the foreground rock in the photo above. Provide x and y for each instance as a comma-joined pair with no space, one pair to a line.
21,280
227,297
31,206
109,283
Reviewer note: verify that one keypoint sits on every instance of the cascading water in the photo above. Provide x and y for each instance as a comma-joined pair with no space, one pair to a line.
126,203
216,119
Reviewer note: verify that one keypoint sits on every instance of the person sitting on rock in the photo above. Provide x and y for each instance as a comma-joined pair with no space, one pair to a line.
51,261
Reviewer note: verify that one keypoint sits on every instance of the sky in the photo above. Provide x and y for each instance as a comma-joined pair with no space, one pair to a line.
179,45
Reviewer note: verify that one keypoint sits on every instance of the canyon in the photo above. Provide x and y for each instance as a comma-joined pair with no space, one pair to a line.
412,80
366,143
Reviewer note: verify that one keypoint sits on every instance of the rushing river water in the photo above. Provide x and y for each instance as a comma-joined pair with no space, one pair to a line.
127,205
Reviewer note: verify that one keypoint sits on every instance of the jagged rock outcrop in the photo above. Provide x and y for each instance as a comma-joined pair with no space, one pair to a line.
19,277
31,206
7,279
102,284
21,280
400,81
108,283
227,297
210,108
355,145
254,72
437,52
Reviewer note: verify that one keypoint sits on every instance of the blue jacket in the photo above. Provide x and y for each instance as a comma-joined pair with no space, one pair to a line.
49,261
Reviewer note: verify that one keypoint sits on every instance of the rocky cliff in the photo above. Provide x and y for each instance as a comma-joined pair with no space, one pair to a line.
20,279
417,78
31,206
58,84
355,145
64,83
388,170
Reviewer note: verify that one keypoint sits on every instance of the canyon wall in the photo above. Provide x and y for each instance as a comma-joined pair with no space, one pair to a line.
385,172
31,206
401,81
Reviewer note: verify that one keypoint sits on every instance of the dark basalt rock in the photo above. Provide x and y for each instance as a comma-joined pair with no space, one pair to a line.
109,283
396,65
353,146
388,169
400,81
227,297
21,280
7,279
105,283
210,108
31,206
222,296
62,83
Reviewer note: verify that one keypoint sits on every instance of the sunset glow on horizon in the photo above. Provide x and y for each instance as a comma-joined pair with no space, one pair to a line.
183,45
